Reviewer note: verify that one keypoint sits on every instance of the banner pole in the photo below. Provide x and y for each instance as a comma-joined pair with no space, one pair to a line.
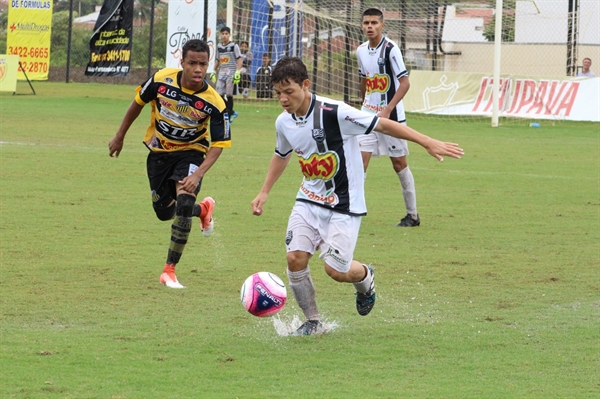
70,34
497,59
26,77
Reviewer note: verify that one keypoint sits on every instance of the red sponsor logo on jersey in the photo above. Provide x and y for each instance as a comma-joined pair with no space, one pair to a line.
162,89
197,115
319,166
331,199
167,145
164,103
198,105
378,84
224,60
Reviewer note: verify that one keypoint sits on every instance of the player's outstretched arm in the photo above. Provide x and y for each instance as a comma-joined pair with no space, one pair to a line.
276,168
434,147
115,145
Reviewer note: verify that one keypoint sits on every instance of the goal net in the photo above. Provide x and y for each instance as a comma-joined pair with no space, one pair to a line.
448,49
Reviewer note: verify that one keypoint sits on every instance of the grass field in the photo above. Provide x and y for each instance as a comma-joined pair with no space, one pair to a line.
496,295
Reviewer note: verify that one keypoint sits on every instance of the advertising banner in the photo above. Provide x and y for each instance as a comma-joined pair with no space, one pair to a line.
186,22
111,42
8,72
282,34
454,93
28,36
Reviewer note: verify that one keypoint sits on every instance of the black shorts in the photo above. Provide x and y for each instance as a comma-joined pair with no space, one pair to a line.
165,169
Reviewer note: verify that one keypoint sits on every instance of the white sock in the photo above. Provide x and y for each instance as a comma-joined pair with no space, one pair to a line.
303,289
364,285
407,181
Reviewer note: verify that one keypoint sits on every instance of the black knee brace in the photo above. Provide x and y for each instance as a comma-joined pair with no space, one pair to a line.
185,205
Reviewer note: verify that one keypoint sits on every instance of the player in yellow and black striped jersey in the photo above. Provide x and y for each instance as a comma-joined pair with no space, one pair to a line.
182,119
188,130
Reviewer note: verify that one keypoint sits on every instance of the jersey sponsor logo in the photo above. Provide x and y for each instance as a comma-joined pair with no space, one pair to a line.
318,135
378,84
224,59
178,118
335,254
198,105
325,108
375,109
167,145
170,93
357,123
198,115
319,166
329,199
175,132
164,102
162,89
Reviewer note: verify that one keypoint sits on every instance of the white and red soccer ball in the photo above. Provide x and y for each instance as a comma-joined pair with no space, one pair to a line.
263,294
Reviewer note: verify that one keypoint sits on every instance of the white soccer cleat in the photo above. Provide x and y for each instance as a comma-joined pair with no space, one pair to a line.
168,277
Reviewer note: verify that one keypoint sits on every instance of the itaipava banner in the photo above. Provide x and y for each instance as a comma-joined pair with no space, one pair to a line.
557,98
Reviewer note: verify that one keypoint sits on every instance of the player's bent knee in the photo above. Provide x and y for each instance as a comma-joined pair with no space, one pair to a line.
185,205
165,213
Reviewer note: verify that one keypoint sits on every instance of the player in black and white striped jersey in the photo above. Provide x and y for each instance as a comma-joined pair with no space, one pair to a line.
384,83
330,202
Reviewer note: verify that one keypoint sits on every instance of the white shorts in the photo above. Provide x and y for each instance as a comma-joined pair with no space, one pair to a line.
379,144
313,227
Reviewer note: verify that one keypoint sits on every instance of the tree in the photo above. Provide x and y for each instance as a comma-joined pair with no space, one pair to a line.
508,24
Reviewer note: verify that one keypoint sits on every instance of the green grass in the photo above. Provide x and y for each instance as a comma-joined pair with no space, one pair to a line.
496,295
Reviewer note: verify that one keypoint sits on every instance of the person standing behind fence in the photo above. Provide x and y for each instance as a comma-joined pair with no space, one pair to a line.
264,86
585,70
383,84
247,58
228,65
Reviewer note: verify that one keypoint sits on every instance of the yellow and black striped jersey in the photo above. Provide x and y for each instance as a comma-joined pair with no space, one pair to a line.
181,119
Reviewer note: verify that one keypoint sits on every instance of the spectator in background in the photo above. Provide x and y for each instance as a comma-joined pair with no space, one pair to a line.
263,78
246,79
228,64
585,70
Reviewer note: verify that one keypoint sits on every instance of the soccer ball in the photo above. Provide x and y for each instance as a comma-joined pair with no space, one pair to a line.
263,294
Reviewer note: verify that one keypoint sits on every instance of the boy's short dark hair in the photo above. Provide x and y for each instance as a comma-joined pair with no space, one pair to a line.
373,12
266,55
225,29
245,42
289,69
196,45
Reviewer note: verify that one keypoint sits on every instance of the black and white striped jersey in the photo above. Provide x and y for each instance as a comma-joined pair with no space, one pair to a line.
325,143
